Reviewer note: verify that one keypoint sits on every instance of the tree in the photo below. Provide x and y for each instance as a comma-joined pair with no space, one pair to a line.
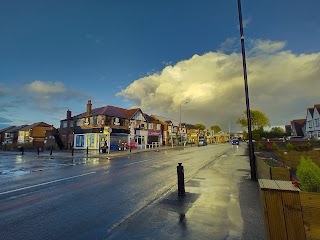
277,132
258,119
215,128
200,126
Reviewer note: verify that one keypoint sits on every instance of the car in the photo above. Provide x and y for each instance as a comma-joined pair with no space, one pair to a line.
235,142
202,142
296,138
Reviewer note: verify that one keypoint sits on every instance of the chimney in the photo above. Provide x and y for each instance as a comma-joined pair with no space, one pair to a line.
89,108
68,114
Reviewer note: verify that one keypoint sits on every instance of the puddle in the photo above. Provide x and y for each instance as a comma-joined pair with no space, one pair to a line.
17,172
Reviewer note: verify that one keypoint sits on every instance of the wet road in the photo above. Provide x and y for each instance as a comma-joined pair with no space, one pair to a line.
87,198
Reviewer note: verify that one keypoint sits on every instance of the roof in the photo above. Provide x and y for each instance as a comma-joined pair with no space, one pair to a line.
298,124
131,112
151,119
166,120
6,129
190,126
12,130
37,124
107,110
311,110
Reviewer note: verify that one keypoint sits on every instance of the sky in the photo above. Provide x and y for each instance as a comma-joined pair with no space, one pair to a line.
168,57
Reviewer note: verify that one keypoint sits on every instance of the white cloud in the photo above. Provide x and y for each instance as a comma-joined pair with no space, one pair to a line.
42,96
40,87
246,22
281,84
266,46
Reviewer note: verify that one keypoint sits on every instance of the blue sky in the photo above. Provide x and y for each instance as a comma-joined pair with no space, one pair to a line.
55,55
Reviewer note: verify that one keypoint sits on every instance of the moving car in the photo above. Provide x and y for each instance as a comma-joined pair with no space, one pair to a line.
202,142
235,142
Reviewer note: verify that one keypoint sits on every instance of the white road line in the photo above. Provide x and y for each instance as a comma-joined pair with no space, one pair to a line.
135,162
46,183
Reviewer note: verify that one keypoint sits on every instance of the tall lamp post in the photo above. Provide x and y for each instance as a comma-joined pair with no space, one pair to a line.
251,147
180,126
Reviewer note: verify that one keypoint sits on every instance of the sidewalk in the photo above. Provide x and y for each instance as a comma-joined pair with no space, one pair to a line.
94,153
221,202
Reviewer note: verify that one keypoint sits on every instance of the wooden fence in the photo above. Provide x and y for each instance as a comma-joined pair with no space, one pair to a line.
289,213
265,171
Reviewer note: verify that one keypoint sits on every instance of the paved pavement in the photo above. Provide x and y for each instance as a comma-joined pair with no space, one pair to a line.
221,202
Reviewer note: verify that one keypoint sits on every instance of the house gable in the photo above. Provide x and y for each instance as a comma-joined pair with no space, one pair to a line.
316,117
309,120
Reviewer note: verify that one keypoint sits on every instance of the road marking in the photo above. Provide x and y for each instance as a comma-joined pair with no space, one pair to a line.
135,162
46,183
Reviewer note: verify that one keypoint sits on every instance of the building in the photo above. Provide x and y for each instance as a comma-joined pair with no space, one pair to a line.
172,132
34,134
11,135
3,133
312,129
111,126
155,130
298,127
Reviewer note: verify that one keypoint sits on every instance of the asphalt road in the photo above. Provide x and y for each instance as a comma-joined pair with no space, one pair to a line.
43,198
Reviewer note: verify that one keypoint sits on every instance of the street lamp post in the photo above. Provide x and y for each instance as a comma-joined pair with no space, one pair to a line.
180,126
251,147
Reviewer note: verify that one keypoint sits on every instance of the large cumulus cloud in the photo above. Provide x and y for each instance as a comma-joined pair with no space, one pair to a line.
282,84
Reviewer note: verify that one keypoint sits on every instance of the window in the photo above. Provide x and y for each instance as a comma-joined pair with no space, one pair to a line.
95,120
79,140
159,127
150,125
317,122
63,124
79,122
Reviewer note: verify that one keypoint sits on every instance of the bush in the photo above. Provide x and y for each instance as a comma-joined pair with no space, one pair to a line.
275,147
308,174
304,147
256,136
289,147
261,147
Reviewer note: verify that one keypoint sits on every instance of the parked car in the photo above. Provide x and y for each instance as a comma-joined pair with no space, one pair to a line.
235,142
297,138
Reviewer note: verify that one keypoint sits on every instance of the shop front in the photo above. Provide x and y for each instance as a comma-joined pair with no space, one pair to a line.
141,138
154,136
92,141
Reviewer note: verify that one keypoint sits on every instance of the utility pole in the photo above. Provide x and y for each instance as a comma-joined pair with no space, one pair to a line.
244,65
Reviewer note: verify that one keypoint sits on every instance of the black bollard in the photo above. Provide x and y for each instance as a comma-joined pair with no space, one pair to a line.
38,151
181,190
50,151
87,150
22,150
72,150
